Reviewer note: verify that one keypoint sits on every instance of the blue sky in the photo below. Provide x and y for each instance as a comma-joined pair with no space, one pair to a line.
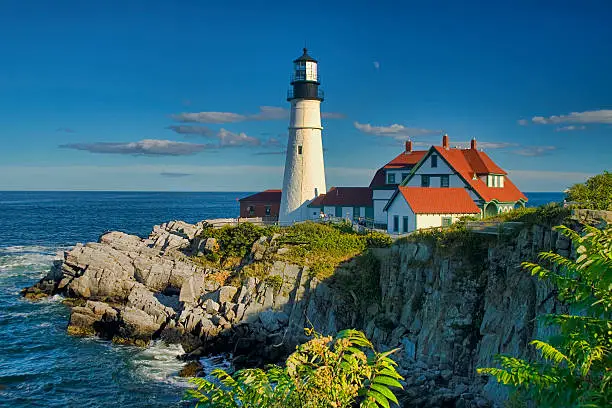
190,95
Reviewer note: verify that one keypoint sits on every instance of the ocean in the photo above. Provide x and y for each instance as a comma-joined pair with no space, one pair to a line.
40,365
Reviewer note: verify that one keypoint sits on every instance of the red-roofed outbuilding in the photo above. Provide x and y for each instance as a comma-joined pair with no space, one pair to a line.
265,204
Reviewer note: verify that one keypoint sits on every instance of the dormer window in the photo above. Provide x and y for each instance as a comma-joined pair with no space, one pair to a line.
390,178
434,161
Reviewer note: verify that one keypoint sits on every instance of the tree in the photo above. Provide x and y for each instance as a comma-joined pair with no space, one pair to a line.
323,372
575,368
595,193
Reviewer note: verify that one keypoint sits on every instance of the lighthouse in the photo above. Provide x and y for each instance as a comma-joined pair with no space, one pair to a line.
304,177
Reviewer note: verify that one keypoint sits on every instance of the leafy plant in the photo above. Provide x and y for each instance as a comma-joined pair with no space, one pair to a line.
378,240
323,372
595,193
575,368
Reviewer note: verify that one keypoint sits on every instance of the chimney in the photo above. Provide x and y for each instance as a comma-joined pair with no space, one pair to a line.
473,144
409,146
445,144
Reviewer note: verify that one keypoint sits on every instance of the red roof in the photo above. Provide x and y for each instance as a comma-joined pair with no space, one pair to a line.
345,196
268,196
470,162
438,200
406,159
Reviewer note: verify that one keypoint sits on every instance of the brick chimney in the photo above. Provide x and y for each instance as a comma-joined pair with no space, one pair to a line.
473,144
408,146
445,142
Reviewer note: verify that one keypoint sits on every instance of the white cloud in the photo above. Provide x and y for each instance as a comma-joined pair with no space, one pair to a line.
376,65
395,131
532,151
147,147
569,128
594,116
523,122
265,113
227,138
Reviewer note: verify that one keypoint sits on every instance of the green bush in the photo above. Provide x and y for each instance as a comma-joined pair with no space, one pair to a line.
235,241
323,372
595,193
321,247
575,369
378,240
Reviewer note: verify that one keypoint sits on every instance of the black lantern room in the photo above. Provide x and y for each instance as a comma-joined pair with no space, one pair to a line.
305,79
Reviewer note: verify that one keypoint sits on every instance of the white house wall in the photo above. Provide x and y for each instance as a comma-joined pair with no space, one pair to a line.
435,220
400,208
381,198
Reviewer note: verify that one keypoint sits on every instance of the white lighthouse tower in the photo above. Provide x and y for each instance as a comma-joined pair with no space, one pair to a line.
304,169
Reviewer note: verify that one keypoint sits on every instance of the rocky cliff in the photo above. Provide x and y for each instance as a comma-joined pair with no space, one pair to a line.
449,304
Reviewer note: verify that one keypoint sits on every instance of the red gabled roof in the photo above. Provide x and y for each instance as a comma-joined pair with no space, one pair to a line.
268,196
438,200
345,196
470,162
406,159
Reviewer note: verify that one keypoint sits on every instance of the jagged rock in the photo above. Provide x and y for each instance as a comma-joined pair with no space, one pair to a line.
191,369
259,248
137,324
227,293
212,307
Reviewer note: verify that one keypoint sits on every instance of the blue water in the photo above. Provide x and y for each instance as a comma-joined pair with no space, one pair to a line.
42,366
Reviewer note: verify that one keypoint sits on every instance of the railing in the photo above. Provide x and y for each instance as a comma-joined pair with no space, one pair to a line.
320,94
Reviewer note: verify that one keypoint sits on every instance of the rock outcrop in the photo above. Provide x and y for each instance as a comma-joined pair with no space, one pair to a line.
449,310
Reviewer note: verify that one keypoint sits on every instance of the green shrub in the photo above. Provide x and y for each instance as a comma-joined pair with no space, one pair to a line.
575,369
321,247
323,372
378,240
275,281
595,193
235,241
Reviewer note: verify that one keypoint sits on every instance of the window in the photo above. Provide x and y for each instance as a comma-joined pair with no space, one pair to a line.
405,224
390,178
396,223
268,210
434,161
405,176
447,221
251,210
338,212
299,149
444,181
424,181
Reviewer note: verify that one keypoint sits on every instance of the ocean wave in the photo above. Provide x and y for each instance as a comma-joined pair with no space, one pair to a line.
159,362
28,257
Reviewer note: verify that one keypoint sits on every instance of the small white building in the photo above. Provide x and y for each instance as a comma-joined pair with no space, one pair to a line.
413,208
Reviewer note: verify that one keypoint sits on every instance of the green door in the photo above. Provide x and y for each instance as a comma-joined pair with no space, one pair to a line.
356,213
339,212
